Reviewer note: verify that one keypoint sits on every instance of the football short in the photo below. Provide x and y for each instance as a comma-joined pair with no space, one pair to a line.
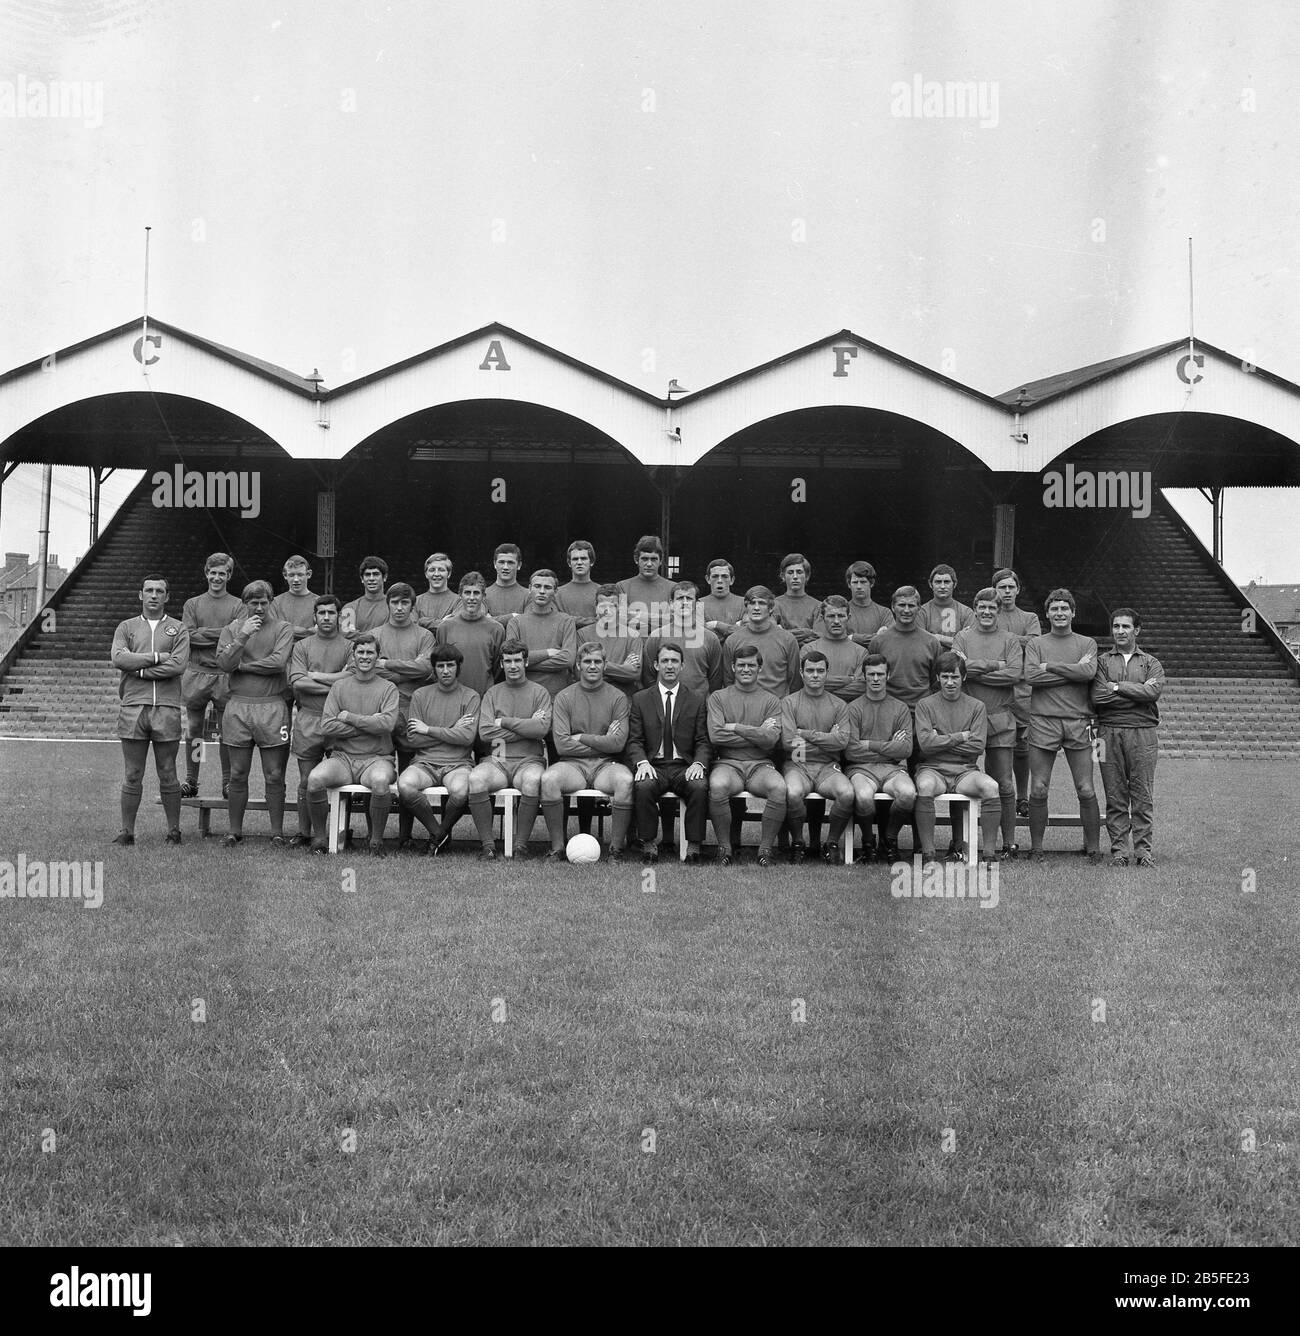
359,767
949,782
508,770
880,775
589,769
255,723
149,723
1051,733
432,776
745,769
814,774
308,741
201,685
1002,729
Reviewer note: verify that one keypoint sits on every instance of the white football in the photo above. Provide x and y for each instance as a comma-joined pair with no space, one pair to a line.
583,849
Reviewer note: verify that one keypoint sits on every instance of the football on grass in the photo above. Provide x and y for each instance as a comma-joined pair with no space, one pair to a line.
583,849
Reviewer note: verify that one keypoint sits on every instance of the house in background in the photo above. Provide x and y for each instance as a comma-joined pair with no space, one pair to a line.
1281,605
18,592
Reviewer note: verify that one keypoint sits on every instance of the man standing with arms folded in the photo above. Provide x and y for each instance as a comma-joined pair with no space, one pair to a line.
943,616
506,596
205,617
796,609
358,720
438,602
477,635
297,605
624,650
778,649
442,723
1125,691
370,611
844,656
722,610
255,651
1025,626
315,665
648,593
1059,667
702,668
995,664
910,651
669,745
151,652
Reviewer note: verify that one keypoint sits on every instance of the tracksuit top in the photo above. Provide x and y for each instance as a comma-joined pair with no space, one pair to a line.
1143,670
160,683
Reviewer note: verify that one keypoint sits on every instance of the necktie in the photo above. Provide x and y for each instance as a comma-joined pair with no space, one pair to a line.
668,749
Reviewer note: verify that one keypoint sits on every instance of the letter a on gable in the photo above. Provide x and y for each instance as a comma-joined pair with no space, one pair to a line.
495,358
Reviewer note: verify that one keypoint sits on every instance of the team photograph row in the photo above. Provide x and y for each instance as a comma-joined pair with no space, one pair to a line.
634,690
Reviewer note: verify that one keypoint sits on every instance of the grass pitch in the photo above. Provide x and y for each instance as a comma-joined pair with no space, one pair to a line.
252,1046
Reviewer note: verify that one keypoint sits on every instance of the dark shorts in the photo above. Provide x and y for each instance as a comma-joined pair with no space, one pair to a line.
814,774
149,723
950,782
1051,734
879,775
745,769
432,776
201,685
308,741
1002,729
507,770
255,723
590,768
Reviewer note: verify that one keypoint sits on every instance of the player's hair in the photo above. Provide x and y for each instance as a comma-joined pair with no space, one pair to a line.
400,589
296,563
875,661
760,591
1060,596
590,647
256,589
814,656
472,580
948,662
747,651
648,542
835,601
373,564
905,591
507,550
326,601
1119,612
155,579
545,573
609,591
219,559
1006,573
796,559
860,568
720,561
673,645
943,569
685,585
365,638
446,654
438,556
987,595
578,545
513,647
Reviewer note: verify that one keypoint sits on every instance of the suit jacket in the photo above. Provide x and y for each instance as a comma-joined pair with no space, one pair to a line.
690,727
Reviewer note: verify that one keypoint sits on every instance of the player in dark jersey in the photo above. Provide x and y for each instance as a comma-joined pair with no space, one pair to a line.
952,728
551,635
255,651
814,731
297,605
578,597
722,610
150,652
624,649
590,725
506,596
370,611
702,670
796,609
745,729
943,616
477,635
779,650
1059,667
909,649
880,742
439,601
994,666
205,617
441,725
844,656
314,666
1024,625
647,592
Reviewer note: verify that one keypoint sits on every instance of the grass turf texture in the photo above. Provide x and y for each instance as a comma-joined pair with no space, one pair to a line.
627,1010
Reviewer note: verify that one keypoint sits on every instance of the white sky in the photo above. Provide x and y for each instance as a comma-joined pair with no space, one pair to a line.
667,189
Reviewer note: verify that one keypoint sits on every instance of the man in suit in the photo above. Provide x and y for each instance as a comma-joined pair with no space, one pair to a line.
673,759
